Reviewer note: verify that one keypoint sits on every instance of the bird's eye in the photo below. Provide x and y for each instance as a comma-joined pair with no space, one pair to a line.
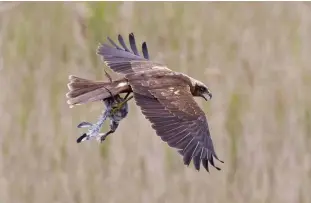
202,89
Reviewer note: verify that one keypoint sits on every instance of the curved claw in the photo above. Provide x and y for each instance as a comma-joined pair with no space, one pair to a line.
82,138
84,124
102,137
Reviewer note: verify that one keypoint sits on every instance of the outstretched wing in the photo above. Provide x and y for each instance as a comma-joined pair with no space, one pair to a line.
123,60
165,100
176,118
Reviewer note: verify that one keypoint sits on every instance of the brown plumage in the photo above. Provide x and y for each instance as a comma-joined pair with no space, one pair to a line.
165,98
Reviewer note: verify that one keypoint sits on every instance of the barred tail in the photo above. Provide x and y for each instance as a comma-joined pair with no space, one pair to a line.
83,90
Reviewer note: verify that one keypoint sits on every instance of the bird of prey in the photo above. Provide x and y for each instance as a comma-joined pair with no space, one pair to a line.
165,97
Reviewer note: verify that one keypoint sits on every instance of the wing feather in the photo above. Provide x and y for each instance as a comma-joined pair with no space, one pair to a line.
121,41
133,44
145,51
165,99
196,162
177,119
113,43
123,60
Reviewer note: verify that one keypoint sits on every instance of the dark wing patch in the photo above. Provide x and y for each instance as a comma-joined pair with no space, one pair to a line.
125,61
178,120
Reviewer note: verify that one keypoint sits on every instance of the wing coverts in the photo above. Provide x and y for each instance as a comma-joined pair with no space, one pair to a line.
165,100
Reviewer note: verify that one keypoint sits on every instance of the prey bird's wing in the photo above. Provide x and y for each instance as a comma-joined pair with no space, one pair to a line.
125,61
168,104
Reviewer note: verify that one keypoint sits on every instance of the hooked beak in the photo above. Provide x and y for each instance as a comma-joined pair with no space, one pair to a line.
207,96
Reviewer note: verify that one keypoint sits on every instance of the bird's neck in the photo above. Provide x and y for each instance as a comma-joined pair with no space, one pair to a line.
189,80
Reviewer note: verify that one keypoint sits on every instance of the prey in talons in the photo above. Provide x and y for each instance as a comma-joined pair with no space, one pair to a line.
165,98
116,110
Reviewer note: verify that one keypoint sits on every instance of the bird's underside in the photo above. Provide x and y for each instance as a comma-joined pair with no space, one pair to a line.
164,97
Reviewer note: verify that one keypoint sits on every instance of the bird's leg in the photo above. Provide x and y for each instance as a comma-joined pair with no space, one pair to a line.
124,101
119,105
126,96
113,126
94,129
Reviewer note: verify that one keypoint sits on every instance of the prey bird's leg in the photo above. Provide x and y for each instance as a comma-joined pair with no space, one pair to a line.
113,127
95,128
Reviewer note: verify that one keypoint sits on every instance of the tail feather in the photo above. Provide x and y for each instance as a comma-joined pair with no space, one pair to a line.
86,84
83,90
75,92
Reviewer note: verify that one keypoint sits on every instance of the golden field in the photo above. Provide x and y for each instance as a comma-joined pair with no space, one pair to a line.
255,57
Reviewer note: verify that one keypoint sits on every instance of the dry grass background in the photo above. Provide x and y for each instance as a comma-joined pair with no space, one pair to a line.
254,56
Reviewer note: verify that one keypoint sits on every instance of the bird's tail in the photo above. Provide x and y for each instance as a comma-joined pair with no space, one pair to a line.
83,90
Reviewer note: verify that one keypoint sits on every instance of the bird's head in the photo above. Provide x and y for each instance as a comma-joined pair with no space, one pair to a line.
201,90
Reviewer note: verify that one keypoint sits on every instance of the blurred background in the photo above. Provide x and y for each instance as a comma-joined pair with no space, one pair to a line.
255,57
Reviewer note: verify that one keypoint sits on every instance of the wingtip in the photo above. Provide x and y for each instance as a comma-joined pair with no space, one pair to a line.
131,36
216,157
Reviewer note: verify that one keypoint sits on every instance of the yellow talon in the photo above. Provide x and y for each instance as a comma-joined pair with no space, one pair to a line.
114,109
117,107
